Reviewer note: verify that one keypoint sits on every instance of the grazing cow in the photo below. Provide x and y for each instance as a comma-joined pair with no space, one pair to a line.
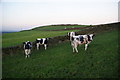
70,34
27,48
42,41
81,39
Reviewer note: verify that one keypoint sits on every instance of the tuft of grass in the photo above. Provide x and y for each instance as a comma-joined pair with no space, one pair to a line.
58,61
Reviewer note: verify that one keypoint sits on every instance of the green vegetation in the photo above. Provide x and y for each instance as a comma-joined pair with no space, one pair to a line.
13,39
16,38
57,27
58,61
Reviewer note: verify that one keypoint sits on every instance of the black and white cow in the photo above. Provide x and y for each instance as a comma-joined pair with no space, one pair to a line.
27,48
81,39
70,34
42,41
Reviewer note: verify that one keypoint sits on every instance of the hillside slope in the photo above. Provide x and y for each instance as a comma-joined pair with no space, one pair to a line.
58,61
16,38
58,27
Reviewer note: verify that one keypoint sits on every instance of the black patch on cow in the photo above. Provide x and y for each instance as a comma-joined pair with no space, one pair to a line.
41,41
46,41
86,42
77,38
88,38
72,38
68,34
81,39
27,46
23,42
29,43
37,41
93,36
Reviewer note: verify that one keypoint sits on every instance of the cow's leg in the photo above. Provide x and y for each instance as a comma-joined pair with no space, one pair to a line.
70,38
86,45
45,45
76,47
73,46
73,49
37,46
26,53
29,53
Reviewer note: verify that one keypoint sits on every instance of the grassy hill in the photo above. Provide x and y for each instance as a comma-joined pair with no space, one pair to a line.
58,27
13,39
58,61
17,38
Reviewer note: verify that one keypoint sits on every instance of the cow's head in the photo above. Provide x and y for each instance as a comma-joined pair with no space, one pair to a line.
71,33
48,38
91,36
68,34
27,43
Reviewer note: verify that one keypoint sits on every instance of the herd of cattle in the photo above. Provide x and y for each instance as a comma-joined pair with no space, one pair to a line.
75,41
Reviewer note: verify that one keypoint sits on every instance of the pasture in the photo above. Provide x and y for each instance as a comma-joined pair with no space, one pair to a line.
58,61
16,38
57,27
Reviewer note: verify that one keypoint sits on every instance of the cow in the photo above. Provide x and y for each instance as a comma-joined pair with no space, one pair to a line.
81,39
27,48
70,34
42,41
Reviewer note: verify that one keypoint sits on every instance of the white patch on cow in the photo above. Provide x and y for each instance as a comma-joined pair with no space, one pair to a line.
43,43
76,41
91,37
71,34
27,50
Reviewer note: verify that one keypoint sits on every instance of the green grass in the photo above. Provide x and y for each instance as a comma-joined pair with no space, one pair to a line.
58,61
17,38
13,39
57,27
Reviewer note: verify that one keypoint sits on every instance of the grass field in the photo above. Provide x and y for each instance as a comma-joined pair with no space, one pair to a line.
16,38
57,27
58,61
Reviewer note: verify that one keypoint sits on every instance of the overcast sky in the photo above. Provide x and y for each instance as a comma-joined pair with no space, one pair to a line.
25,14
